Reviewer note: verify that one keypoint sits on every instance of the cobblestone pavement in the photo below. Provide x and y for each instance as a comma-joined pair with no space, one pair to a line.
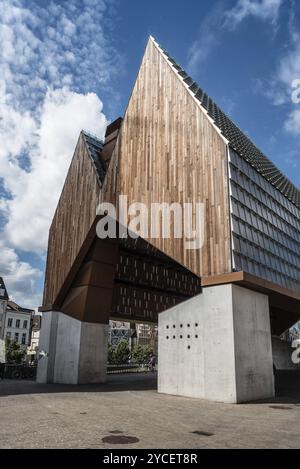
59,416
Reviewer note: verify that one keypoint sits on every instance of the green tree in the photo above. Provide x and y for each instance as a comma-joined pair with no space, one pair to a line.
13,351
141,353
121,352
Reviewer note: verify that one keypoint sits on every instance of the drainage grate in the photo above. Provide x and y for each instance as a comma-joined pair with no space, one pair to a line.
120,439
201,433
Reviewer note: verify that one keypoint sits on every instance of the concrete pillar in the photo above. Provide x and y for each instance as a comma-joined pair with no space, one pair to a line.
217,346
75,351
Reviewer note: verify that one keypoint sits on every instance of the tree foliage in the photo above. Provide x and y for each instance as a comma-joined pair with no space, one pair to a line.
119,354
141,354
13,351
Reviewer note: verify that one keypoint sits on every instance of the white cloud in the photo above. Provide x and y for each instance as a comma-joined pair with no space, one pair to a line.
289,66
20,277
283,88
54,56
207,39
266,10
35,193
292,123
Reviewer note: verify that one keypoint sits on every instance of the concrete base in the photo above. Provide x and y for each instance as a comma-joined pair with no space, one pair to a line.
217,346
76,352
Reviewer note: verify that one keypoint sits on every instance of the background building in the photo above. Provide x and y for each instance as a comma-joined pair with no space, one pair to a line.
35,336
3,305
18,324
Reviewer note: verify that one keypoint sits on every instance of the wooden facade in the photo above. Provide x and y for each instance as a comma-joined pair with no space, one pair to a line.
169,151
73,219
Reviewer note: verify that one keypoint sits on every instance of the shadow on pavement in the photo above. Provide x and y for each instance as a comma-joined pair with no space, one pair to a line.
115,383
287,385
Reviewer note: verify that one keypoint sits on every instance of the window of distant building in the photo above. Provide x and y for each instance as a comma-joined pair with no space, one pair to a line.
17,323
25,324
9,322
24,338
8,334
17,336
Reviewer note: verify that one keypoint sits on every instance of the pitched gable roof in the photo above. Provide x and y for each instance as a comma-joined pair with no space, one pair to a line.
14,306
237,140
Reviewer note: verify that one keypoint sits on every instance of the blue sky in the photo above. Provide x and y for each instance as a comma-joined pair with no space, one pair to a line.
71,65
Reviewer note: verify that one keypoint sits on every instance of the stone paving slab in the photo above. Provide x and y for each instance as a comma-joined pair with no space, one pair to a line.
59,416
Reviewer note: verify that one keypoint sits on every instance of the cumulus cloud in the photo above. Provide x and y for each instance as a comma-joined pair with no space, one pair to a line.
20,277
54,59
35,193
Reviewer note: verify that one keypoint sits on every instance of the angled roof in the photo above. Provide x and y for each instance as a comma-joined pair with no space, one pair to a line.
3,291
237,140
95,145
14,306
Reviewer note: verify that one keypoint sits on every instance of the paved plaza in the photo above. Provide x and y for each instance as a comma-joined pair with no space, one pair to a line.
59,416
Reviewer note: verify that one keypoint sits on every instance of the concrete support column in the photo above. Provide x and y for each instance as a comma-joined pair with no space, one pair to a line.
75,339
217,346
75,351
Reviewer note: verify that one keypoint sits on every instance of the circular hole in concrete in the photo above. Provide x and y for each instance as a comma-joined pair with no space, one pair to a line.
174,326
196,325
181,325
188,336
174,337
181,336
167,327
120,439
189,347
196,336
167,337
188,325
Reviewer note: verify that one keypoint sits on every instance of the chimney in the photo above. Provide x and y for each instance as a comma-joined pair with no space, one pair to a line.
111,135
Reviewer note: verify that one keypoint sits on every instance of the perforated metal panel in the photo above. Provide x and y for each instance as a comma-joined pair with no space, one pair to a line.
265,227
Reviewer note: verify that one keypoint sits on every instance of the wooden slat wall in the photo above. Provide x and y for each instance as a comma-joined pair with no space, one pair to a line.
72,221
168,151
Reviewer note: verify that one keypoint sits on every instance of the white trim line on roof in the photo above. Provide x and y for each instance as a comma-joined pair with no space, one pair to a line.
205,112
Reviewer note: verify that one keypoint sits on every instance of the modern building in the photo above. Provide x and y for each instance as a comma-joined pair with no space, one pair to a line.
217,297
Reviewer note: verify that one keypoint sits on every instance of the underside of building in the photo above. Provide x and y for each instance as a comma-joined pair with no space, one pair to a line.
217,306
